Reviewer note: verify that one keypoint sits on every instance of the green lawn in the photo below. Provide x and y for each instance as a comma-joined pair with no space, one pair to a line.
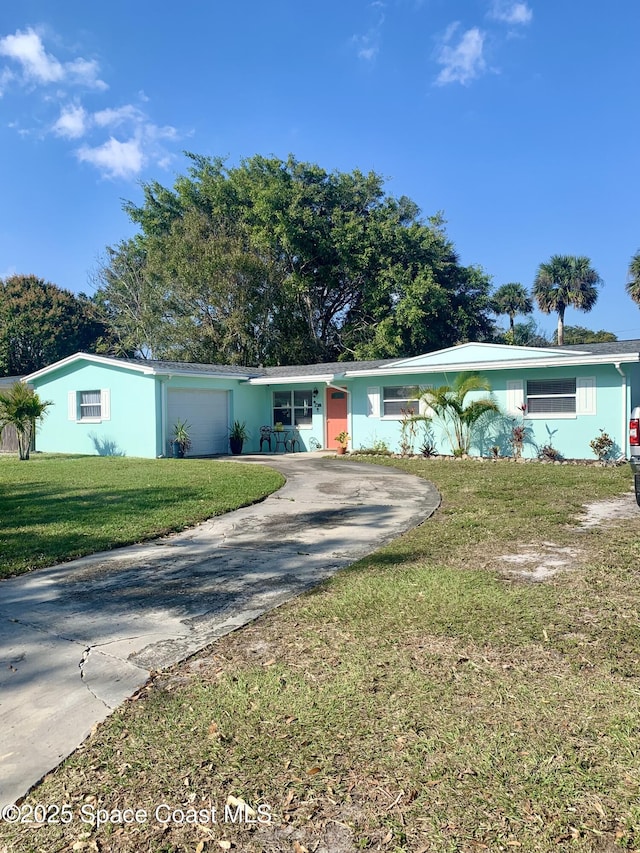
54,508
422,700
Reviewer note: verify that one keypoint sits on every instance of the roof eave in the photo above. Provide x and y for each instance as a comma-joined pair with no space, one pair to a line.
514,364
290,380
87,356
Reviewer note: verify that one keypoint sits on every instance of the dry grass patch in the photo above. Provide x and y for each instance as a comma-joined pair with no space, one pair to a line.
420,701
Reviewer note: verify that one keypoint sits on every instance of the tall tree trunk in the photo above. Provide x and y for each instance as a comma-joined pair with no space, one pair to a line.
561,327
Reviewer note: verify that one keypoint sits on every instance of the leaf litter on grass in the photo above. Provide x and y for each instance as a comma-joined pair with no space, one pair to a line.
435,715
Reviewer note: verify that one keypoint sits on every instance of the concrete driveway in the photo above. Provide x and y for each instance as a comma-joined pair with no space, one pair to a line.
77,639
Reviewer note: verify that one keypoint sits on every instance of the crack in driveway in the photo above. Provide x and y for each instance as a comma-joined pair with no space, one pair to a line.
154,605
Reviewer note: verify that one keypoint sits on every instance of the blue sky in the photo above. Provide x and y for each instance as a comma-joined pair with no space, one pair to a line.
516,118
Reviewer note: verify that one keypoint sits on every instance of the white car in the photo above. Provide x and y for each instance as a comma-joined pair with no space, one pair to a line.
634,444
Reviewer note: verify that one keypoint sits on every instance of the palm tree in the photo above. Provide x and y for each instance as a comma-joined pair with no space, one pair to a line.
564,281
633,285
459,418
512,299
21,407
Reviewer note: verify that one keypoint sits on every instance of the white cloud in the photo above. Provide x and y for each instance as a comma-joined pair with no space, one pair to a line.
115,117
39,67
125,159
85,72
368,44
154,132
6,76
27,49
464,61
133,140
116,159
72,123
517,13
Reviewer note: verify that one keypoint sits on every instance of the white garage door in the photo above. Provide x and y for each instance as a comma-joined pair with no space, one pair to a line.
206,412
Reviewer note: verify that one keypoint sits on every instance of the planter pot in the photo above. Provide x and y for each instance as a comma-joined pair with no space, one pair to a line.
236,446
341,450
176,450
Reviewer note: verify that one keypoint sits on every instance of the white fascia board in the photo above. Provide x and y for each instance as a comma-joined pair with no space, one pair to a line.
407,362
139,367
86,356
516,364
293,380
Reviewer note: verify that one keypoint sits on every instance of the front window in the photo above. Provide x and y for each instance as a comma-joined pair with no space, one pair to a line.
90,405
551,397
396,398
293,408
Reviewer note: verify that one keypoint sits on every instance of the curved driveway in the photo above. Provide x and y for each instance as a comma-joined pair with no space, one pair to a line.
79,638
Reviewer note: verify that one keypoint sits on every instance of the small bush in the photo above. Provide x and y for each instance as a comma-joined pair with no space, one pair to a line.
548,453
602,445
379,447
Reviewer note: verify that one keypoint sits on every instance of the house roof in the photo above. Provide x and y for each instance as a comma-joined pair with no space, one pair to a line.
7,381
464,357
608,348
152,367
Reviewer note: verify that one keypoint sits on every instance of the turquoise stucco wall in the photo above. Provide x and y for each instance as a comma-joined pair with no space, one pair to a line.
138,410
316,431
253,405
131,429
246,404
569,435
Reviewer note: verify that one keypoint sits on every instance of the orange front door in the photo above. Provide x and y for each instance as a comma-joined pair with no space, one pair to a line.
336,417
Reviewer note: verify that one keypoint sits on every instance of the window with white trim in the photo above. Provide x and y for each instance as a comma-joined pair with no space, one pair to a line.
551,396
396,398
293,408
89,406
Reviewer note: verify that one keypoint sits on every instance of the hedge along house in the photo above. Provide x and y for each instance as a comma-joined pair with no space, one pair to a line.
114,406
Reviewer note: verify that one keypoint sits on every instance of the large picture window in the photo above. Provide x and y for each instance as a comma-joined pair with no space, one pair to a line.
293,408
395,398
551,396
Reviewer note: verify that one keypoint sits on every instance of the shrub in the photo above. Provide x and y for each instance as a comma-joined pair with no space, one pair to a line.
548,453
602,445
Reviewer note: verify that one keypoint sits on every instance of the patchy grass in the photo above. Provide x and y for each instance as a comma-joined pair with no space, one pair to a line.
55,508
423,700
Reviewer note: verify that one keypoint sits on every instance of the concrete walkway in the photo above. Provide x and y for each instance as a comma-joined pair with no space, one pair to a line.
77,639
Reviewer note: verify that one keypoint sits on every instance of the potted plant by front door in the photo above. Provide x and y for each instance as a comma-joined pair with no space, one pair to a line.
343,438
237,436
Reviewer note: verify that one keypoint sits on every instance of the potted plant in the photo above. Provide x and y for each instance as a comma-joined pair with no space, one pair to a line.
237,436
181,441
343,438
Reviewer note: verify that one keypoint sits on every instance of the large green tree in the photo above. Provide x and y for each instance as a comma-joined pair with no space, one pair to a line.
41,323
581,335
511,299
528,334
281,262
128,299
566,281
633,281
